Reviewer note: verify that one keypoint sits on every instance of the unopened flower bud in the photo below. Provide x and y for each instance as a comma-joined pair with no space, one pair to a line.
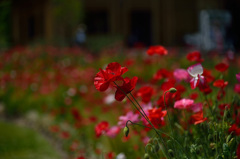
126,131
172,90
170,151
146,156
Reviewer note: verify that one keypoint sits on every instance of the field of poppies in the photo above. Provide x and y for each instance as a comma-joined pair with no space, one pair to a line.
120,103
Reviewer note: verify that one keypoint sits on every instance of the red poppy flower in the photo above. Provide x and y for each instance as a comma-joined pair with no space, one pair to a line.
197,118
160,50
220,83
193,96
205,88
113,72
127,87
238,151
101,128
168,84
162,73
145,93
76,114
110,155
208,75
234,129
194,56
156,115
222,108
221,67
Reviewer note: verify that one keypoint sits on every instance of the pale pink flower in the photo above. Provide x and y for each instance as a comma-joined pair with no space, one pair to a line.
145,140
129,116
196,72
183,103
113,131
180,74
109,99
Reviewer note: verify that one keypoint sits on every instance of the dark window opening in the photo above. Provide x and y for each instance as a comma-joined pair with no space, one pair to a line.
140,32
97,22
31,27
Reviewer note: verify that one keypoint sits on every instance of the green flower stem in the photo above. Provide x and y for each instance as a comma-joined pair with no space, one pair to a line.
144,117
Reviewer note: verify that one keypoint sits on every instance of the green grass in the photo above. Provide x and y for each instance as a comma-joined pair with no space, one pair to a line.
22,143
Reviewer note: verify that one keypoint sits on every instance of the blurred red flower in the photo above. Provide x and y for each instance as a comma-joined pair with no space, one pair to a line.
156,115
159,50
234,129
113,72
221,67
194,56
220,83
101,128
162,73
197,118
145,93
238,151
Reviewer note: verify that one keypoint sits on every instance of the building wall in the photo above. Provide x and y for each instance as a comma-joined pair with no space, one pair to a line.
169,20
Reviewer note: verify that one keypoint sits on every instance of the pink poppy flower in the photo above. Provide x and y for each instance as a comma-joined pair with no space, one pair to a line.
237,88
180,74
129,116
196,107
196,72
183,103
238,77
113,131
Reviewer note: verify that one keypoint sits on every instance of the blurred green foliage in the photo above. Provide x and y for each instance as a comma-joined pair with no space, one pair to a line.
21,143
5,29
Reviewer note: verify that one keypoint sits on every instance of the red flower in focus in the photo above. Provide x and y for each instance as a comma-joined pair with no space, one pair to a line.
197,118
156,115
81,157
221,67
127,87
234,129
159,50
113,72
101,128
145,93
194,56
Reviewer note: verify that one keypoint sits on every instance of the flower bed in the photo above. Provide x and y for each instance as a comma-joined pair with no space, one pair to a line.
179,106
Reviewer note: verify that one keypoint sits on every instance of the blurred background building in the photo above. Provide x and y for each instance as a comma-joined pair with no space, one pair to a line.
136,22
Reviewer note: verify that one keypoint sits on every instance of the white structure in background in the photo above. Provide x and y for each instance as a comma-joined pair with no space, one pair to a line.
213,25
